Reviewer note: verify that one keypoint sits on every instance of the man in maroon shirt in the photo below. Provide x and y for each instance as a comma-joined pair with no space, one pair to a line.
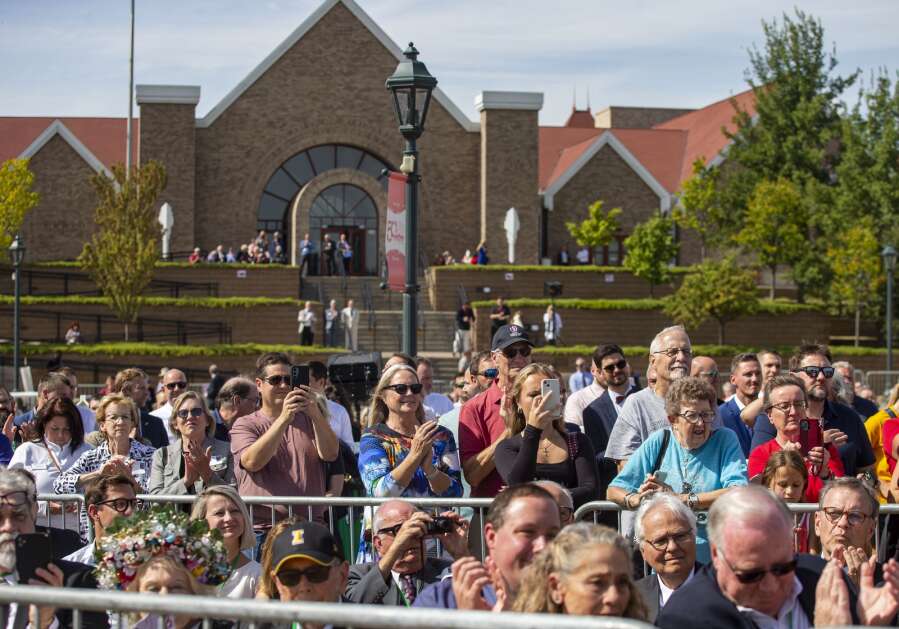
481,425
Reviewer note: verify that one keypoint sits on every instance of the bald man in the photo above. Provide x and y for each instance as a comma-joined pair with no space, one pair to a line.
706,368
174,383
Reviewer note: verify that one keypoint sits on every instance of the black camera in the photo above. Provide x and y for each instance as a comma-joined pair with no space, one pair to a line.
440,525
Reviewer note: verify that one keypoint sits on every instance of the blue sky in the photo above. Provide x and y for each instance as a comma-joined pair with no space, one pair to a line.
70,57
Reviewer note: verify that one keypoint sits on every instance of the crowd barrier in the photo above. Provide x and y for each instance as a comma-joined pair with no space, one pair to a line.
252,613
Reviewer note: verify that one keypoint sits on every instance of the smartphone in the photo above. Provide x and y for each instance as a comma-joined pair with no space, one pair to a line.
299,375
811,435
549,388
33,551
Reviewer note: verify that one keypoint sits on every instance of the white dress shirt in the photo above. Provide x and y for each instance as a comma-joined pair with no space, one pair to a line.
579,400
164,413
438,403
339,420
665,592
84,555
790,616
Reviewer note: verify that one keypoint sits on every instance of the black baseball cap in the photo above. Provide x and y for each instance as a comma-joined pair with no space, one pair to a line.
509,335
305,540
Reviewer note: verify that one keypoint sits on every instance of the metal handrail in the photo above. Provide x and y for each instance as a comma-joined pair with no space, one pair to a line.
173,287
257,611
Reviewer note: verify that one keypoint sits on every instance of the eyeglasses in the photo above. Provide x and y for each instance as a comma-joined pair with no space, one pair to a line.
120,505
171,386
184,413
16,498
621,365
672,352
784,407
812,372
754,576
565,513
680,540
402,389
290,578
118,418
390,530
511,352
854,518
277,381
693,417
459,385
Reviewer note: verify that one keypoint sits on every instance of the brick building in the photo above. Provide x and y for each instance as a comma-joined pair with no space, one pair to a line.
276,154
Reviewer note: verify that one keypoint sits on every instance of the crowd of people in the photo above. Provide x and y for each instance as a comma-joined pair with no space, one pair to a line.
261,250
704,485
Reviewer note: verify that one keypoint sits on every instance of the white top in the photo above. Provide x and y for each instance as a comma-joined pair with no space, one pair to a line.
339,420
88,418
84,555
165,414
306,318
790,616
439,403
349,317
665,592
35,457
579,400
242,582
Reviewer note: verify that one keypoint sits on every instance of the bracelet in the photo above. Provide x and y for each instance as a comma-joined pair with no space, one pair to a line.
692,501
432,474
627,499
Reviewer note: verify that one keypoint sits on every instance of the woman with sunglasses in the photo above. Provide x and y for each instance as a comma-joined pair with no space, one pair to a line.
691,459
541,445
58,445
195,460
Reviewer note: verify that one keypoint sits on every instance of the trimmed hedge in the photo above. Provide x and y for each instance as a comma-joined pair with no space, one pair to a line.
709,350
177,302
776,307
587,268
165,350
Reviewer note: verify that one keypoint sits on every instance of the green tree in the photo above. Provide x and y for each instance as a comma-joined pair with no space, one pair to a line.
598,229
857,276
774,229
700,207
650,249
122,255
722,290
16,198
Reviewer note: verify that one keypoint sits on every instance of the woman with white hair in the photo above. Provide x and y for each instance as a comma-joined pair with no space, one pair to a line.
222,508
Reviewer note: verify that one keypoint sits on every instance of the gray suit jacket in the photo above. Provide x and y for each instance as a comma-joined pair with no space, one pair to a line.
649,589
167,475
366,585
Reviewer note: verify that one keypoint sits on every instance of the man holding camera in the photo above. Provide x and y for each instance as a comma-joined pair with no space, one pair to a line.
399,533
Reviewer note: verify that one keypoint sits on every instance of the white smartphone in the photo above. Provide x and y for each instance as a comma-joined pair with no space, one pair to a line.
549,388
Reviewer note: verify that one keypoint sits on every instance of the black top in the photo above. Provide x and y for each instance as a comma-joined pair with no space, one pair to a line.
864,407
516,462
461,323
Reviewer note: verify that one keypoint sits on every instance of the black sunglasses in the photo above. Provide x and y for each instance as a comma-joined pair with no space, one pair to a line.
390,530
491,373
171,386
511,352
318,574
621,364
812,372
119,505
184,413
402,389
754,576
276,381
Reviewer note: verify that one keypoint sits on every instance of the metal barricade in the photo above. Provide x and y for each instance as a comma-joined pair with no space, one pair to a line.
881,381
252,613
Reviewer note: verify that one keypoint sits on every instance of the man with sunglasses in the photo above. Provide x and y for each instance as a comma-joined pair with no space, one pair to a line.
481,425
755,578
174,383
106,499
842,426
399,533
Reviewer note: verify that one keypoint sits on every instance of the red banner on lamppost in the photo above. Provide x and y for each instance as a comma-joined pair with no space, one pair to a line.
395,238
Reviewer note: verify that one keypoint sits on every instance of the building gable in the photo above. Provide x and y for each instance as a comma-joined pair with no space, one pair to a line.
57,128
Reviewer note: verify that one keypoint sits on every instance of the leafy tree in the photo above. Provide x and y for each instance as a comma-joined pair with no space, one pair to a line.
598,229
775,226
121,256
16,198
650,249
700,207
857,275
721,290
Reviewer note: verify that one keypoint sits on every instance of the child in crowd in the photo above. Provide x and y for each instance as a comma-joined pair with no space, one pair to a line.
787,476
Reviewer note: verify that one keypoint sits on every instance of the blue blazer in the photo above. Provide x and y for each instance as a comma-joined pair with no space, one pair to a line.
730,417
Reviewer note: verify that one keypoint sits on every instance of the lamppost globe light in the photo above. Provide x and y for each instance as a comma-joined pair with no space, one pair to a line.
889,257
17,256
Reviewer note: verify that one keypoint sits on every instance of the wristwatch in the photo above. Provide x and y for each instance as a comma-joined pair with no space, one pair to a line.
692,501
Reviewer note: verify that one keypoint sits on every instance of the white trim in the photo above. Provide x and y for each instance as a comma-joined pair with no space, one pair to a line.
58,128
608,138
298,34
531,101
169,94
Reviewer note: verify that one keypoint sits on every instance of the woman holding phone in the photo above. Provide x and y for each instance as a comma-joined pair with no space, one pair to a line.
542,447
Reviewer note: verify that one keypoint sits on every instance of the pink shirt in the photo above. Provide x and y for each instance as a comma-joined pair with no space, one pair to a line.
294,470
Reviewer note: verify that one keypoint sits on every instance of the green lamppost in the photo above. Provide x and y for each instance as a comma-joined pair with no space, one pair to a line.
889,263
16,256
411,85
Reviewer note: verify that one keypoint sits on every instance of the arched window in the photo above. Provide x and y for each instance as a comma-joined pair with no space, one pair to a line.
273,213
347,209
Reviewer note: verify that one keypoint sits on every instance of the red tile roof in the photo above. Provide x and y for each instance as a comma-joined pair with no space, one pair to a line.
581,118
552,141
104,137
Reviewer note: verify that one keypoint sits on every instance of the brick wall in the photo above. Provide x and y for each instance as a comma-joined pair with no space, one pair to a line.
58,227
635,117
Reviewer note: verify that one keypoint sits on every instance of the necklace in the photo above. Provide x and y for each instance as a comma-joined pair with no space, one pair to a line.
687,484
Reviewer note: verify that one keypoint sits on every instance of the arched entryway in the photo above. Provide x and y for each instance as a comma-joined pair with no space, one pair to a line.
347,209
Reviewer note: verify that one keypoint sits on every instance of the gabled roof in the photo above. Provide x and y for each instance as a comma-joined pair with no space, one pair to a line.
298,34
102,139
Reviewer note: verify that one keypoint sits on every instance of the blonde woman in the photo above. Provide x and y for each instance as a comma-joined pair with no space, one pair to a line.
165,575
195,460
541,446
586,571
222,509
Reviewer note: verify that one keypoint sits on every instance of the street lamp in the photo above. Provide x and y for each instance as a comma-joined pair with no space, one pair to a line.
889,263
16,255
411,85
